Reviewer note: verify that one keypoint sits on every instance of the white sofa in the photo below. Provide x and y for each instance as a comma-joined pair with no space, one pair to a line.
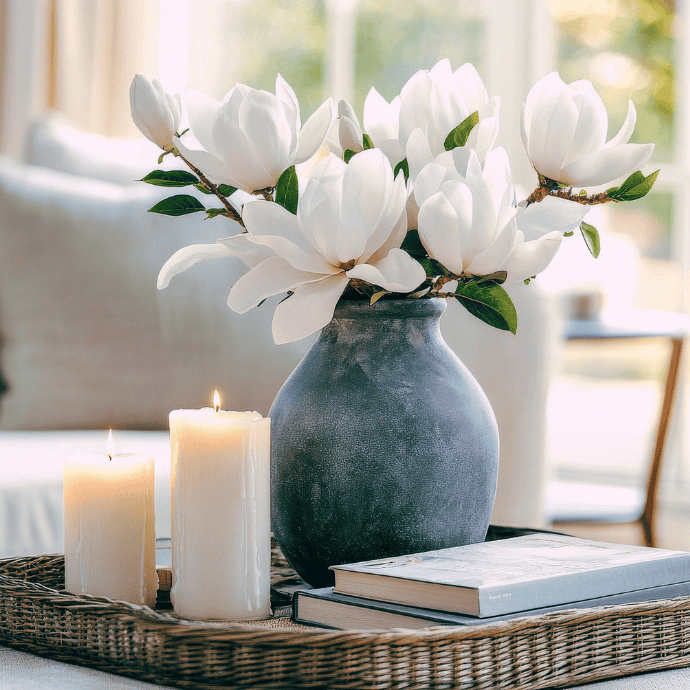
90,342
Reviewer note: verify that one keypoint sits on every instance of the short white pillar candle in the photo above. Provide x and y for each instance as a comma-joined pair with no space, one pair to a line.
221,540
110,534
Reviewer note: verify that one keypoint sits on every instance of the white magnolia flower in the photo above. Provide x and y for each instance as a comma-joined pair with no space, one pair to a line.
350,223
469,222
155,112
434,101
564,129
252,136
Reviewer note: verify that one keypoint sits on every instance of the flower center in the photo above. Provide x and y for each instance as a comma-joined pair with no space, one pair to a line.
350,264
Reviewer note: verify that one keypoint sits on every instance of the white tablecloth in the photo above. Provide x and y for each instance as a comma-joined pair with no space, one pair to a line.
31,520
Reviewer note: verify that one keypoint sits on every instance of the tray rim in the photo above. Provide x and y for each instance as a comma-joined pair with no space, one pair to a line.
269,640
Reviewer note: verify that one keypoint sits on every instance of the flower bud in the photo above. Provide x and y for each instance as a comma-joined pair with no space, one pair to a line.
155,112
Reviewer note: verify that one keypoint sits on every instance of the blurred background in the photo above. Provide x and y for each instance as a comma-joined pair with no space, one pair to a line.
77,58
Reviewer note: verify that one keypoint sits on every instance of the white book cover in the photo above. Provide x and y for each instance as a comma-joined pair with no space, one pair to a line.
513,574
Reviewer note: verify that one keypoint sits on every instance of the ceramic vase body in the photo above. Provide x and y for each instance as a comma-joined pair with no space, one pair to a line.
383,443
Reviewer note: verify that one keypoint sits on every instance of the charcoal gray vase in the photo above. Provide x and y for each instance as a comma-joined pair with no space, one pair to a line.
383,443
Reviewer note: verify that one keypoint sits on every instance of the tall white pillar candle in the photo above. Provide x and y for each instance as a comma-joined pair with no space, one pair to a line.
221,540
110,534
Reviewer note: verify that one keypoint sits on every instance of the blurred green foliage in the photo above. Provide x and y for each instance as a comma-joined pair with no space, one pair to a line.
393,45
626,48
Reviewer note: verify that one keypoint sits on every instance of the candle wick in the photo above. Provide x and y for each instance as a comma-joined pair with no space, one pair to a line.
217,407
110,457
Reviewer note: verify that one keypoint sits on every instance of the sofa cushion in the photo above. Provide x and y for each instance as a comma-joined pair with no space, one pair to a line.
53,142
90,342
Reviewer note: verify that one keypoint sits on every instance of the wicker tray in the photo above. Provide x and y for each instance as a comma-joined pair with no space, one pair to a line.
555,650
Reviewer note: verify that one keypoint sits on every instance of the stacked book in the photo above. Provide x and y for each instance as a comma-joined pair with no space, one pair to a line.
497,580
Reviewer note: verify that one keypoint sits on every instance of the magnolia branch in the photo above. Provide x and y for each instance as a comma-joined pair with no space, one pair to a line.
230,211
541,192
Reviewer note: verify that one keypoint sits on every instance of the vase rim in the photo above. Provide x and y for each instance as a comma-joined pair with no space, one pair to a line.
391,308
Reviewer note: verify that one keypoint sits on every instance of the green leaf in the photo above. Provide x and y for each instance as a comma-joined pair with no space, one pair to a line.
639,190
170,178
287,190
431,266
632,181
412,244
213,212
367,143
569,234
179,205
499,277
404,167
490,303
377,296
224,189
460,135
591,237
347,154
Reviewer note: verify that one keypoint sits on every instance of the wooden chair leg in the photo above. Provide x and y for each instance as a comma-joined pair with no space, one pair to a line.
647,516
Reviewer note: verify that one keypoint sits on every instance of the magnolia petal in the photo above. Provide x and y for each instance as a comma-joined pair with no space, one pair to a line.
495,255
553,127
606,165
271,277
391,231
347,111
459,196
187,257
473,88
367,188
550,84
626,130
530,258
484,216
348,135
428,182
592,122
450,286
213,168
308,310
551,214
267,218
286,240
239,158
263,120
175,109
314,132
396,272
287,96
415,105
497,175
411,209
245,247
439,231
202,111
150,112
381,119
483,137
418,153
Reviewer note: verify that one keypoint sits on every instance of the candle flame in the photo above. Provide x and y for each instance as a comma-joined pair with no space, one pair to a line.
216,400
110,445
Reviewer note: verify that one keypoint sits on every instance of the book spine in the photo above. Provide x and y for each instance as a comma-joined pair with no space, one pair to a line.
562,589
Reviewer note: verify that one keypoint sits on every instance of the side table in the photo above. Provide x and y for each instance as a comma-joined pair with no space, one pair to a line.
628,324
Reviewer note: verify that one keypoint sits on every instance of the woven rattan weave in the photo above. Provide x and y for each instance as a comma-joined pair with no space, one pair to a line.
556,650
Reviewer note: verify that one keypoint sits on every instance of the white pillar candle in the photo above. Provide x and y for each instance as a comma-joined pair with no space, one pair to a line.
110,535
221,540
